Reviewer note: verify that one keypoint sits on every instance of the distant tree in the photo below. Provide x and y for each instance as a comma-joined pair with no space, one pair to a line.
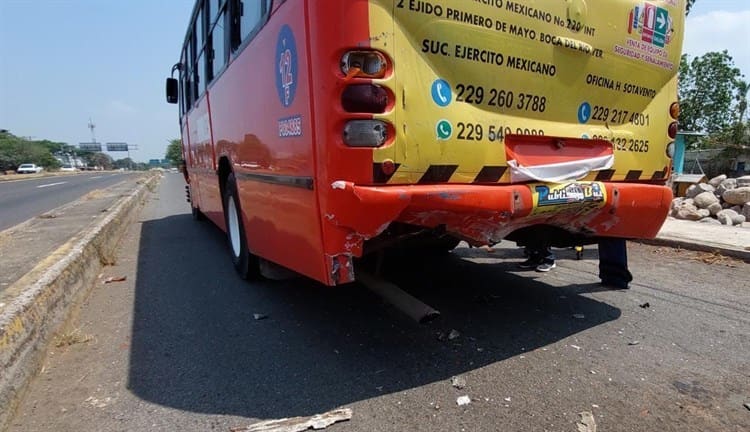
174,151
125,163
710,93
99,159
15,151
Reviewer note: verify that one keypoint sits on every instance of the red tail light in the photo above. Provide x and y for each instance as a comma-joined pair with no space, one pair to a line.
672,130
364,98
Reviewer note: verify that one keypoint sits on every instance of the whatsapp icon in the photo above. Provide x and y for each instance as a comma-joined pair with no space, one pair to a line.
444,129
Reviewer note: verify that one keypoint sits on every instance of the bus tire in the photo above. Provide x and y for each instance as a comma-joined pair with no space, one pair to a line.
244,262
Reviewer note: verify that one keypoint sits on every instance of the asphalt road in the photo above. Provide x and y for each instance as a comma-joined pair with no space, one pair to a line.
25,198
177,347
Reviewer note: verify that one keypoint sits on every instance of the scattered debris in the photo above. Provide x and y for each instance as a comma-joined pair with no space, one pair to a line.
507,399
115,279
579,316
635,342
47,216
298,424
594,406
747,405
72,338
587,422
645,305
463,400
576,347
96,403
259,316
440,336
454,334
458,382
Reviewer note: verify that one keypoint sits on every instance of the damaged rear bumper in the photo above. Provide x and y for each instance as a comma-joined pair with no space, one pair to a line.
485,214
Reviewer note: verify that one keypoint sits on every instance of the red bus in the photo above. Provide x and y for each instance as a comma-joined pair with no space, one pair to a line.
317,132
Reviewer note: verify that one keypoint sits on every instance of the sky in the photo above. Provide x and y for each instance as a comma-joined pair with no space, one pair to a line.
63,62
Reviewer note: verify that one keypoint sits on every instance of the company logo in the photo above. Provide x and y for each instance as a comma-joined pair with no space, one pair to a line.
441,92
286,66
584,112
444,130
652,23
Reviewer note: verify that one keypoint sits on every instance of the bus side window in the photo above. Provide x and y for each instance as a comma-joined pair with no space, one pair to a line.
217,39
200,64
251,12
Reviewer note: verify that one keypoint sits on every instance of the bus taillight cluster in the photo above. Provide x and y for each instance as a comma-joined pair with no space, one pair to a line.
674,112
362,96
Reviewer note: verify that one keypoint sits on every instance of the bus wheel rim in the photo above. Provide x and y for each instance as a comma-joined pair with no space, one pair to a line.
234,228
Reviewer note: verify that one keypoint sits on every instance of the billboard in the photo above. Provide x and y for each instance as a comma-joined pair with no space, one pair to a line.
90,146
117,146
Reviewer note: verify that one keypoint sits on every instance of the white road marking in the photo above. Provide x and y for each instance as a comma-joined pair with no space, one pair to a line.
50,184
91,178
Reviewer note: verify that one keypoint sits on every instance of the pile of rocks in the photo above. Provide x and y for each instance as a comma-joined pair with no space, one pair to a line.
720,201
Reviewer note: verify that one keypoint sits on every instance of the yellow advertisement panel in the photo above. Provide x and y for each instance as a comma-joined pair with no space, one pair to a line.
469,73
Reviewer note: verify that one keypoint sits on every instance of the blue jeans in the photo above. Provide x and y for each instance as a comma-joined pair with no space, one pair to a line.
540,254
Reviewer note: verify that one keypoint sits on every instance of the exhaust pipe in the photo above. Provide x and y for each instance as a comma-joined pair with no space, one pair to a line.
403,301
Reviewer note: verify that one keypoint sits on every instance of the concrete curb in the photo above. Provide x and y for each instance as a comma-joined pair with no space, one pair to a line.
29,321
684,244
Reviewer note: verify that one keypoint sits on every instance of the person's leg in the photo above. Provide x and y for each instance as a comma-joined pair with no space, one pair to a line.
534,257
547,259
613,262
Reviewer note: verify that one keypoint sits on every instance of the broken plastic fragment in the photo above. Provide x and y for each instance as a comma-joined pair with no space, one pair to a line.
463,400
458,382
259,317
115,279
454,334
587,422
339,184
298,424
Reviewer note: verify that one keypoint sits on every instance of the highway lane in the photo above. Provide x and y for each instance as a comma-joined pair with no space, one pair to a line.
176,346
26,198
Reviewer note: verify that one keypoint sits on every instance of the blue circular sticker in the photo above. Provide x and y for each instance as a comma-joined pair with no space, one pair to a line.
286,66
441,92
584,112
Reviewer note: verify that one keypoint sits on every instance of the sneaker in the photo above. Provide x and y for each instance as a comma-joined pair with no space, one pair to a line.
546,266
528,264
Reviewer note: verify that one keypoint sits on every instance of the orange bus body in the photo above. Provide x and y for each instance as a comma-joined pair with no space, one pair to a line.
313,204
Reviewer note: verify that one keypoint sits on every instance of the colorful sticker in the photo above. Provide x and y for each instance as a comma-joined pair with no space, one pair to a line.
580,196
286,66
